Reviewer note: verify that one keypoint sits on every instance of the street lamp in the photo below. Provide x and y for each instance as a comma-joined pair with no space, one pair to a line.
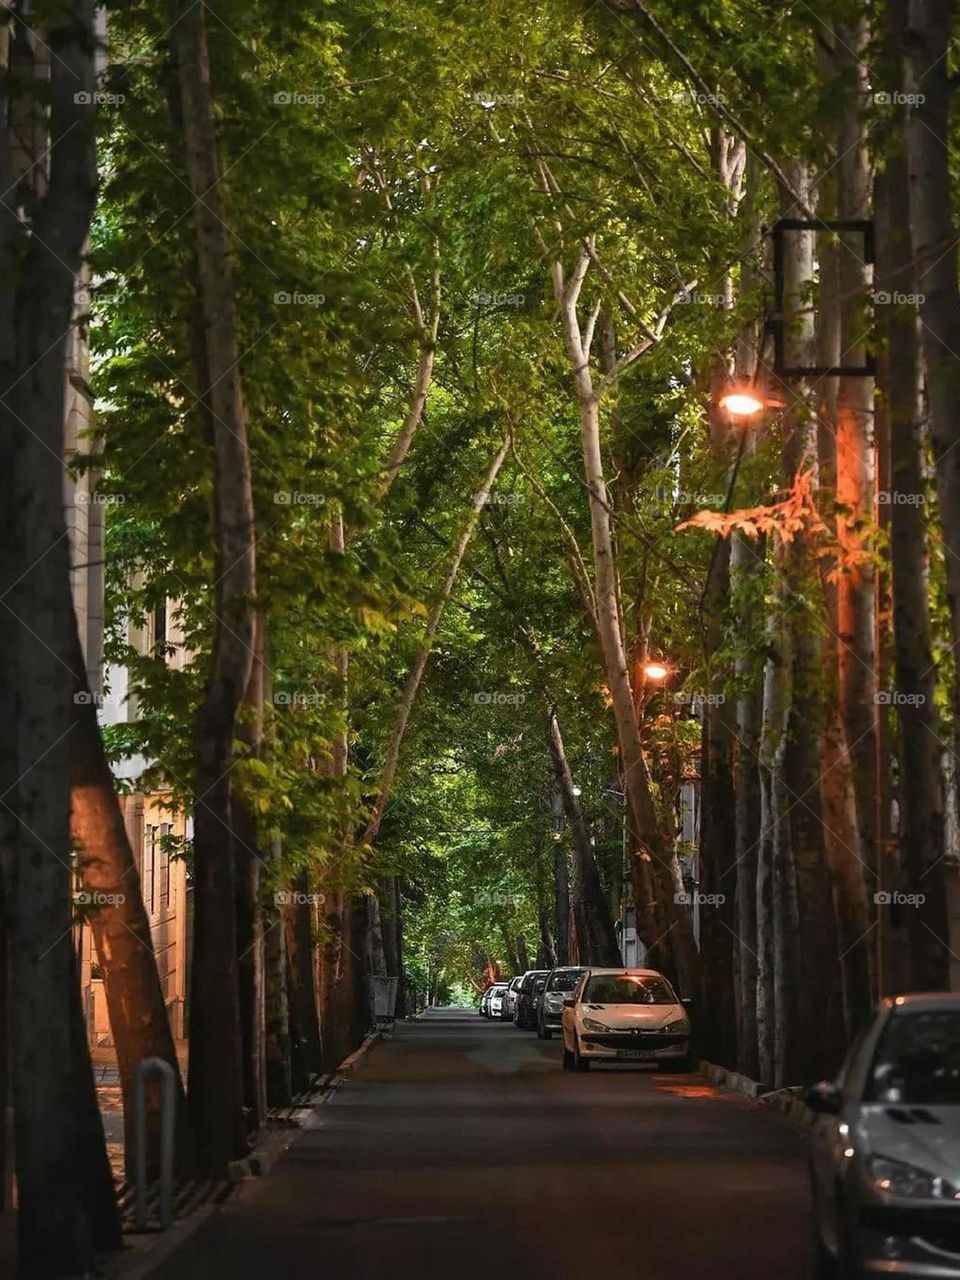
655,672
744,401
741,403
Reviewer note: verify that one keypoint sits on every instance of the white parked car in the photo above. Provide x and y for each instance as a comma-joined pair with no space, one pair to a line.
625,1015
885,1150
494,1000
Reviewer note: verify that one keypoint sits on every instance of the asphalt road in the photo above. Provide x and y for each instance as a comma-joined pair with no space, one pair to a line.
461,1150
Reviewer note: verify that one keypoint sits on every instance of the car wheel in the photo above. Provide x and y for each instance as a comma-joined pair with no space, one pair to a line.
567,1058
579,1061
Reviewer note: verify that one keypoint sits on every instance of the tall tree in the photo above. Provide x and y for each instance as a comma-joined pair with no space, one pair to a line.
216,1075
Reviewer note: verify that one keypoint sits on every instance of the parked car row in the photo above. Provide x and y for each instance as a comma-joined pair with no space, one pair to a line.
603,1015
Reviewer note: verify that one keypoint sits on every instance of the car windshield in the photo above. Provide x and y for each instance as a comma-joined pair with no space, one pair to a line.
917,1061
564,979
612,988
530,980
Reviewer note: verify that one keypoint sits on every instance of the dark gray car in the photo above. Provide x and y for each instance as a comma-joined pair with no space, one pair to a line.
528,993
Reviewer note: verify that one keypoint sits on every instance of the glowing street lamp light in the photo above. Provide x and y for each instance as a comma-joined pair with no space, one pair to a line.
742,402
655,672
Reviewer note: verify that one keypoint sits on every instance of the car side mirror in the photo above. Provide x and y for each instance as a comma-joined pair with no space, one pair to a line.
825,1098
569,1002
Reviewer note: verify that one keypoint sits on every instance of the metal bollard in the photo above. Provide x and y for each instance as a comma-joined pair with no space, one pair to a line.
168,1121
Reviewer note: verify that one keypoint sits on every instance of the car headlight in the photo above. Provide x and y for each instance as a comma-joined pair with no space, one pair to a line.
907,1180
592,1025
678,1024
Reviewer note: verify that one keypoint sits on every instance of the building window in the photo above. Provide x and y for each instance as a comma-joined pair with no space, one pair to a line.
149,867
164,865
160,631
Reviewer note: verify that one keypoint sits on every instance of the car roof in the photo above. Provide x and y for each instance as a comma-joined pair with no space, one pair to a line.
918,1001
628,973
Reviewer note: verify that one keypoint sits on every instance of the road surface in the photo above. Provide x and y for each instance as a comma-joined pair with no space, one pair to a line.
460,1149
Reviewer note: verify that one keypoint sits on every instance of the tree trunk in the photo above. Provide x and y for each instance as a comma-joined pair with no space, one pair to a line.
120,927
809,1029
934,244
306,1032
216,1092
838,792
746,559
647,838
922,839
65,1195
596,938
561,897
249,859
277,1048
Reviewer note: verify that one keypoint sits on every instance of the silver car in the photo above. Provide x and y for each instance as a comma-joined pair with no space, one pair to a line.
885,1155
510,997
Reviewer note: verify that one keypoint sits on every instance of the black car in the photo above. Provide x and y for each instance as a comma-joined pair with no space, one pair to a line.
560,982
528,993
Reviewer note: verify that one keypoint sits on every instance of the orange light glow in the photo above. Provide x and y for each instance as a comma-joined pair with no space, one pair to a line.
655,671
741,403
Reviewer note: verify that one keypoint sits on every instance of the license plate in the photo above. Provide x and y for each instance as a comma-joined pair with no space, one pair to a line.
637,1055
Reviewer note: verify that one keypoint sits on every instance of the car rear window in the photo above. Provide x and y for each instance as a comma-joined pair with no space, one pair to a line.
564,979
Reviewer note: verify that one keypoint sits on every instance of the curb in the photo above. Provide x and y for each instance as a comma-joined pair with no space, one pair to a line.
138,1261
787,1101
